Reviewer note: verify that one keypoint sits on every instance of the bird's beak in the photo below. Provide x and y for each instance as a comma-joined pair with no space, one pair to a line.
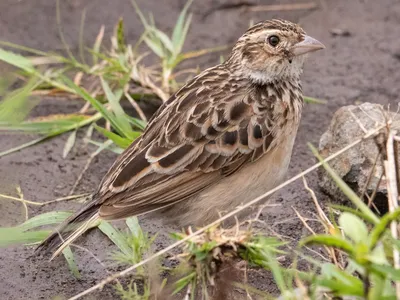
308,45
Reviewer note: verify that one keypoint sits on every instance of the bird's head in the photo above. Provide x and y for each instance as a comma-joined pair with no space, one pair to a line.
272,50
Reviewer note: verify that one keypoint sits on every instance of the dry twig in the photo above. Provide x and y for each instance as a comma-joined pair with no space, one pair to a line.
391,180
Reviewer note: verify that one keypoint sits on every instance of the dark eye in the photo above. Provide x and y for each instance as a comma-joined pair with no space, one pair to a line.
273,40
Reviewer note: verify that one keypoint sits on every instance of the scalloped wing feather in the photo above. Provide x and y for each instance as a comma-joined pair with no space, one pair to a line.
196,138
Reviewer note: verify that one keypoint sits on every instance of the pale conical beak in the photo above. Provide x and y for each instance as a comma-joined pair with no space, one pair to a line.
308,45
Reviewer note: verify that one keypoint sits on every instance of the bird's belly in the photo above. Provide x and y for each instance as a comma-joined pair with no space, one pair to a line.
248,183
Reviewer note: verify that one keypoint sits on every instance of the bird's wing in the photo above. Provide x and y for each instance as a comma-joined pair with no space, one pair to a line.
207,130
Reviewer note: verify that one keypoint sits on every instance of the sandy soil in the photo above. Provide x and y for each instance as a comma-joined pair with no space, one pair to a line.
360,67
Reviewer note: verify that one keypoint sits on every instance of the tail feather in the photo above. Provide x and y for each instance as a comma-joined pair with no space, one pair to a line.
72,228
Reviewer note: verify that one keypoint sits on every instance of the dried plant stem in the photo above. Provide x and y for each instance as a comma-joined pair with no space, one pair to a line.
391,179
125,272
88,162
136,106
71,197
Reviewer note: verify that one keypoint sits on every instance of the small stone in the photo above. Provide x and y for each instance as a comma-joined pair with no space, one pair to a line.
355,165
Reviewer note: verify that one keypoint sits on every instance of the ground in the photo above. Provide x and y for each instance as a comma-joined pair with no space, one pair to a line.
361,67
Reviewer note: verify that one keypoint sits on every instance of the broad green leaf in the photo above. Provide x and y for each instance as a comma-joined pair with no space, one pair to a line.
353,227
340,289
378,256
387,270
342,280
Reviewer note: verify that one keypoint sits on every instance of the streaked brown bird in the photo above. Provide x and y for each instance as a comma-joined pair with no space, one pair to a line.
224,138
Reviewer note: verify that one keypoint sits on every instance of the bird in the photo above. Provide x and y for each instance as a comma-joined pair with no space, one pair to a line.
222,139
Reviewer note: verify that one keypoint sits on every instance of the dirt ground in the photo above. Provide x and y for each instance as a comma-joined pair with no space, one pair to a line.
360,67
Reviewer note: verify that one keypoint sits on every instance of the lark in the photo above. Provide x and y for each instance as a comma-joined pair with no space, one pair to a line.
226,137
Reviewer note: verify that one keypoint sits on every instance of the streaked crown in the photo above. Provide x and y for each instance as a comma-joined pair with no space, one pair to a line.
272,50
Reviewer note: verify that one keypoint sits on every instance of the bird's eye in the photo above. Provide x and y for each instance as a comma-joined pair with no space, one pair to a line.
273,40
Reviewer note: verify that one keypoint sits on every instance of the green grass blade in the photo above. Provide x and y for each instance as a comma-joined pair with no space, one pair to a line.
81,37
61,34
50,124
353,227
164,39
179,27
328,240
380,228
120,116
16,105
25,49
69,257
17,60
56,131
312,100
97,45
140,14
15,236
154,46
183,282
139,124
133,225
353,211
115,236
96,105
49,218
111,147
23,146
118,140
183,37
120,36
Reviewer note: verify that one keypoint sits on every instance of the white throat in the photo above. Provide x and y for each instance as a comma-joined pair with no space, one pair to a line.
284,71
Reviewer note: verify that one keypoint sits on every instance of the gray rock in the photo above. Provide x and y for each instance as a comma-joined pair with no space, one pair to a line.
355,165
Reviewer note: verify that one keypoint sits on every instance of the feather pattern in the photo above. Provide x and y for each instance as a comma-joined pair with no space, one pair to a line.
225,120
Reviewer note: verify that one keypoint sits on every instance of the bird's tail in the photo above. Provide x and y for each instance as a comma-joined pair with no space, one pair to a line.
72,228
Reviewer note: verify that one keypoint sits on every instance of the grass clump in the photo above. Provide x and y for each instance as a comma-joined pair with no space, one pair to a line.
114,75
